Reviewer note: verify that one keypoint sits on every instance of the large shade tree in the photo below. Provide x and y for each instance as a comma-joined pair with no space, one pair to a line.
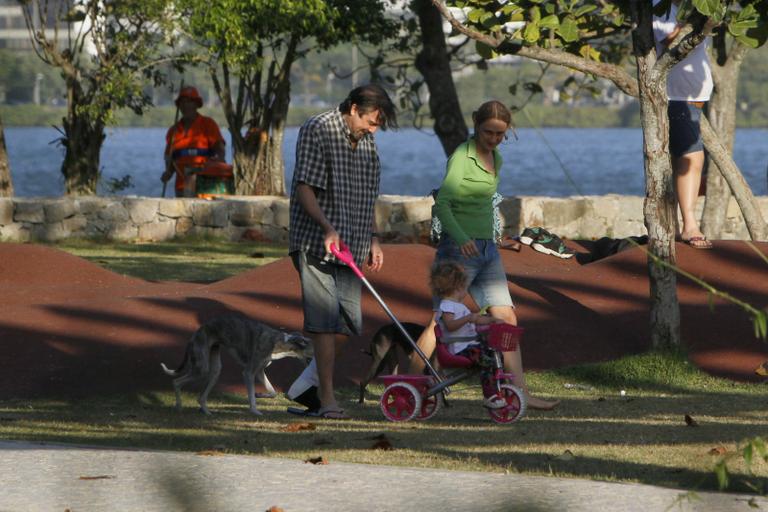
106,51
249,47
590,37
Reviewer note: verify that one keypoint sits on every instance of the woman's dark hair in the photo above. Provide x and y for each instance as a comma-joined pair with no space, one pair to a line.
492,110
369,98
446,277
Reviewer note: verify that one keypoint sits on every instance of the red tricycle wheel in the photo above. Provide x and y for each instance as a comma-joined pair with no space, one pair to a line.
400,402
516,405
429,406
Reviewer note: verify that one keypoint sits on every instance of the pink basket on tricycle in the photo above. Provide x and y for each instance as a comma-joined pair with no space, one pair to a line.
503,337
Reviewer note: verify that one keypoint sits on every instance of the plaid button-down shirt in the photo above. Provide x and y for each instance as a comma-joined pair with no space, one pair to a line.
346,182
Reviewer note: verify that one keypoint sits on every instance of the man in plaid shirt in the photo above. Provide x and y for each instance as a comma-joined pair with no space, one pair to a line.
334,189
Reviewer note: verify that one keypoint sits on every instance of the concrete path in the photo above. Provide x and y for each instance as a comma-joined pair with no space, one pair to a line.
44,477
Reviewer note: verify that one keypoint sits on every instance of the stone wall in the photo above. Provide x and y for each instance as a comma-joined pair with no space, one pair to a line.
400,218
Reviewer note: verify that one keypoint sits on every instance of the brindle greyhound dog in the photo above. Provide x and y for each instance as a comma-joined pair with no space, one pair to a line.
253,344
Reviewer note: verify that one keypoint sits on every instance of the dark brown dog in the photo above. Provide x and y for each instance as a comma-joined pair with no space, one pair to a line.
384,350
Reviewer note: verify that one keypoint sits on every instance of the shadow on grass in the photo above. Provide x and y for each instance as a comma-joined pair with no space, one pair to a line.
612,439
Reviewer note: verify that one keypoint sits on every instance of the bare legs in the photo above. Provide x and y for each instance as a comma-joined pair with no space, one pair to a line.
687,170
426,343
327,345
513,362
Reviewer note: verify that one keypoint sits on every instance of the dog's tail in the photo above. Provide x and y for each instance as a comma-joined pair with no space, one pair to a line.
177,371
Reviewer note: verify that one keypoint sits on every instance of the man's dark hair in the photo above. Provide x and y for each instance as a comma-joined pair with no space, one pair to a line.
369,98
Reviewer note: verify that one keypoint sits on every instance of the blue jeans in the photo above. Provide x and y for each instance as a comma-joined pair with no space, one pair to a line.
485,273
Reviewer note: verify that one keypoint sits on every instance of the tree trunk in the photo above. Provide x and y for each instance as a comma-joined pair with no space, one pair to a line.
721,113
659,208
753,217
6,183
82,141
259,166
433,62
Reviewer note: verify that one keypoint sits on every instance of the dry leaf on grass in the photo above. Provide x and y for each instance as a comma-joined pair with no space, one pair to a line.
316,460
275,508
718,450
690,421
383,444
99,477
215,451
296,426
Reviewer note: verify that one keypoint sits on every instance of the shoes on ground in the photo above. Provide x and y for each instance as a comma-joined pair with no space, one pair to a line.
530,235
309,399
494,402
552,244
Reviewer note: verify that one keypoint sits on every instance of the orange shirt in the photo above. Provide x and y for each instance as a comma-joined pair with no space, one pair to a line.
193,147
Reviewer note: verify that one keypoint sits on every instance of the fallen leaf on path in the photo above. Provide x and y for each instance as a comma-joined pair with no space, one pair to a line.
690,421
275,508
99,477
718,450
296,426
316,460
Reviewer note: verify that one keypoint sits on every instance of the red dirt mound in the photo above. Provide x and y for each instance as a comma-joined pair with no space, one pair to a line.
70,328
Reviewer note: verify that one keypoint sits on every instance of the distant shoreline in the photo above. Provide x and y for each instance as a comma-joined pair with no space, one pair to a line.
561,116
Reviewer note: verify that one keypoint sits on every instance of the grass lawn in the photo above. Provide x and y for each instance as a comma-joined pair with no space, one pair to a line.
189,259
671,427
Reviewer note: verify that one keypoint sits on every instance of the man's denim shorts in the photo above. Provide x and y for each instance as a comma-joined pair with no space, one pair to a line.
330,295
485,273
684,129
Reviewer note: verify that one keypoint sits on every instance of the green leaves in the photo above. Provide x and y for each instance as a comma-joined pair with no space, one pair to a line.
569,30
708,7
747,26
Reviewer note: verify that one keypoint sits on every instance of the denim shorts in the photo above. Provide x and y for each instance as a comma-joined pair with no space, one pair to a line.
485,273
330,295
684,129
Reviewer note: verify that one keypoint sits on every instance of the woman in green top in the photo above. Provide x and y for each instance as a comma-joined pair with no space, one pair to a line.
464,206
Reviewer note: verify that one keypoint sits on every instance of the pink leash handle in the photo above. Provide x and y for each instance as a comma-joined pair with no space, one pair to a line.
344,255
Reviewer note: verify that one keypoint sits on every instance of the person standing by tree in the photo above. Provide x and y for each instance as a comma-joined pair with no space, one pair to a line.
334,189
191,142
689,86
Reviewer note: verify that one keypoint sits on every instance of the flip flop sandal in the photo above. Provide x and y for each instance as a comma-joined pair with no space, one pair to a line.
332,413
699,242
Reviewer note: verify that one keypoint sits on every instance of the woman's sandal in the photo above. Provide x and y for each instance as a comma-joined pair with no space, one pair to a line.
698,242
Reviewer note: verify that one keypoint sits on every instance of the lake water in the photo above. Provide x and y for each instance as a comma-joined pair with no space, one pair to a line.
555,162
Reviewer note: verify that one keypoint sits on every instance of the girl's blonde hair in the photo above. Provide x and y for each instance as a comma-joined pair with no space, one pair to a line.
446,277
